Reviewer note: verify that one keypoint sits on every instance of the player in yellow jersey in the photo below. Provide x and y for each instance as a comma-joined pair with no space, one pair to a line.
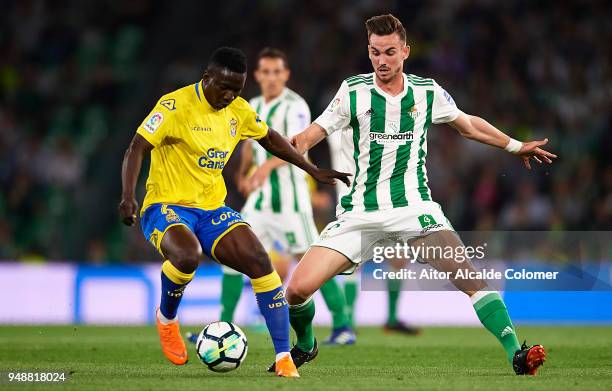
190,134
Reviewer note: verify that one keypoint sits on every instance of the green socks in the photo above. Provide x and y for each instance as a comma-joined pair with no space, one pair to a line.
301,317
493,315
350,293
231,289
334,298
393,289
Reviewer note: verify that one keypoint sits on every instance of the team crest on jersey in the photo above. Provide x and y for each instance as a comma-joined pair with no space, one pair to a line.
414,113
153,122
170,104
233,125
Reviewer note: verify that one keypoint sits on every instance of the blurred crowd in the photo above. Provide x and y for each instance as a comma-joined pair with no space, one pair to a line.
77,78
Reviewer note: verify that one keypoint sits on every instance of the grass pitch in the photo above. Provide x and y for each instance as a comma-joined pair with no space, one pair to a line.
129,358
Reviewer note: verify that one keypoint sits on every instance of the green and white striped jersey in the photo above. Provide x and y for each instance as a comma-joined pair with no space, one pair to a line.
286,189
384,139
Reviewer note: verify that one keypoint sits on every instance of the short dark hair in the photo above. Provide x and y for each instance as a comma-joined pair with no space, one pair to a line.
268,52
228,58
385,25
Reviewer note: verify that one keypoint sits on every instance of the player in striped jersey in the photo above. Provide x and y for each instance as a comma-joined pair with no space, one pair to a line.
278,206
384,117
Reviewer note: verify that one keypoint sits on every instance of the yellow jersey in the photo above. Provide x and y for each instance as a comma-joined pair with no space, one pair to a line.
192,143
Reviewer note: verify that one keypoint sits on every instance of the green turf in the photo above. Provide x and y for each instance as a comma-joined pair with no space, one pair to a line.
128,358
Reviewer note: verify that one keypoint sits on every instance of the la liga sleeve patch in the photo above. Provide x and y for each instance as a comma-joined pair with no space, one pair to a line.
154,121
333,106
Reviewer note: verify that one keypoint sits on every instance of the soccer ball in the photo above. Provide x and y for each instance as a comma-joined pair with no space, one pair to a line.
222,346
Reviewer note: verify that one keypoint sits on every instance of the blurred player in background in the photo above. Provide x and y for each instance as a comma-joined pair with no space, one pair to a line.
384,117
278,206
351,284
190,135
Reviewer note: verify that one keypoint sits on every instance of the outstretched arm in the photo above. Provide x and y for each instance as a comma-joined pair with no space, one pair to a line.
280,147
476,128
305,140
308,138
132,162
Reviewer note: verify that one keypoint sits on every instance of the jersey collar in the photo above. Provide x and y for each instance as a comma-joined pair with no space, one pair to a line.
199,91
388,96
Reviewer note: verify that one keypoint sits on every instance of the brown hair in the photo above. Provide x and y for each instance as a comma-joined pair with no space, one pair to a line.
273,53
385,25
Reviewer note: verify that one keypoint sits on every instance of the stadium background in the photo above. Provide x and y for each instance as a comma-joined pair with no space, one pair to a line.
78,77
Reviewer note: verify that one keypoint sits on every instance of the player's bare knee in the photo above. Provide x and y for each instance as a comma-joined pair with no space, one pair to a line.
477,285
257,264
469,287
298,292
187,259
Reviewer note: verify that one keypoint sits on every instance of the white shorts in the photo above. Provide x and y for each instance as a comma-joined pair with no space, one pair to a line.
292,232
345,234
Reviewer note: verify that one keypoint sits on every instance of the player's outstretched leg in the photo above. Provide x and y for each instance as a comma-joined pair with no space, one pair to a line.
342,332
183,251
318,265
493,314
489,306
241,250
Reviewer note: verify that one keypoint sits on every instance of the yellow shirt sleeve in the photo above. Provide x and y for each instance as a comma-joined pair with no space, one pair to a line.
158,124
253,127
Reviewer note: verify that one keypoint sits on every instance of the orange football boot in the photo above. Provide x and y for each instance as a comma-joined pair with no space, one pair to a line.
527,360
286,368
172,343
535,358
